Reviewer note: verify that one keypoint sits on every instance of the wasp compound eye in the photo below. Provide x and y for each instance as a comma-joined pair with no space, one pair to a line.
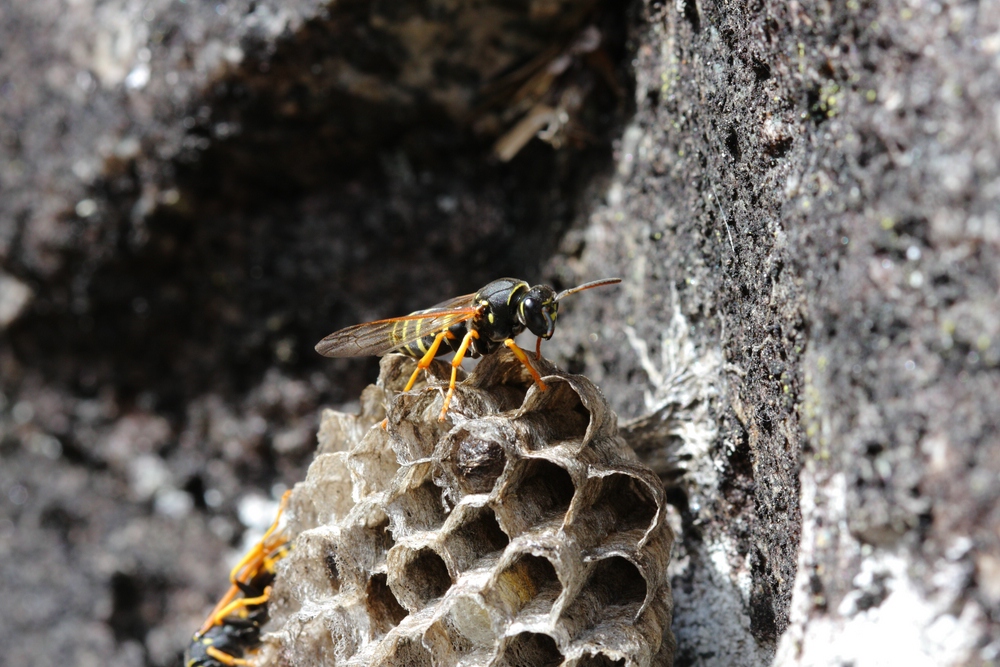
537,311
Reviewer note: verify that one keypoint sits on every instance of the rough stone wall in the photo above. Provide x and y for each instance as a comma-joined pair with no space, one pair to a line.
814,187
801,198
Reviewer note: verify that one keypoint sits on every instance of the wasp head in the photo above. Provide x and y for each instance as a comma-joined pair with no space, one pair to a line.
538,310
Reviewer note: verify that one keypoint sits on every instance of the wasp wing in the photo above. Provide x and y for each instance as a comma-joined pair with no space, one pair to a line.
384,336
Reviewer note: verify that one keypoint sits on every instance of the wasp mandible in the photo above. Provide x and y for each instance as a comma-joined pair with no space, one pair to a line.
470,325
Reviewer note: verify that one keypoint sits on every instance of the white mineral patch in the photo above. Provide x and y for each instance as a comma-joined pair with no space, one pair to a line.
891,617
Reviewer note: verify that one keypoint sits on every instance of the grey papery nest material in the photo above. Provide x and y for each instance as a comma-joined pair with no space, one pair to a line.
522,531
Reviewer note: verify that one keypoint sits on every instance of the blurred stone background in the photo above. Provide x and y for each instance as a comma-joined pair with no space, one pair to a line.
801,197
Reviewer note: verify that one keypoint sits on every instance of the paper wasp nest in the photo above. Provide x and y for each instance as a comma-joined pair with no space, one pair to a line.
521,532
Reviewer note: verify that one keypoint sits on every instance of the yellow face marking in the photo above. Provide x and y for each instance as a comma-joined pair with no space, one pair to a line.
489,316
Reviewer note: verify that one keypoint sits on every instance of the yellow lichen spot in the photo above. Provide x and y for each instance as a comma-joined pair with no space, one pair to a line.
888,223
871,95
983,342
821,363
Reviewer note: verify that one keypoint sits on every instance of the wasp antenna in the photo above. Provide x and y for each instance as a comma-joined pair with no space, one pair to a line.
594,283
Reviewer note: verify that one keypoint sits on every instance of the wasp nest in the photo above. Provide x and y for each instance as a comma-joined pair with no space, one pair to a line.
520,532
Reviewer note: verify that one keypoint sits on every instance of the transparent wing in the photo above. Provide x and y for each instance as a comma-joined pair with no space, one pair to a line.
384,336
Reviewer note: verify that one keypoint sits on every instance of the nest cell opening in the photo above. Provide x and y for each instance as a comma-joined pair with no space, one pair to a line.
531,649
475,457
557,415
362,548
616,581
478,536
540,493
423,577
622,504
469,627
528,582
613,592
383,608
413,424
419,508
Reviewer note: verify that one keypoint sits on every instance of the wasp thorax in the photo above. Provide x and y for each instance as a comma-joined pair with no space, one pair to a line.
523,532
538,309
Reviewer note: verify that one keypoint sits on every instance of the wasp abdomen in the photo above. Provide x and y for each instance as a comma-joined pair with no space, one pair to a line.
419,347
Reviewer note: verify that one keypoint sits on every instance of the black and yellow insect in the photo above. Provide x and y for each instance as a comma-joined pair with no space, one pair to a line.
233,628
471,325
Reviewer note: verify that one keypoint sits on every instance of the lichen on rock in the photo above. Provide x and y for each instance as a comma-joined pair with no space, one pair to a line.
520,531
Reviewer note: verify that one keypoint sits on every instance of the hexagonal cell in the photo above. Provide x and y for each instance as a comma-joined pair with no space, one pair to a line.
473,455
504,379
416,504
318,545
417,576
372,463
330,489
528,583
477,536
621,504
613,592
554,415
464,635
413,424
364,540
537,492
530,649
383,608
339,431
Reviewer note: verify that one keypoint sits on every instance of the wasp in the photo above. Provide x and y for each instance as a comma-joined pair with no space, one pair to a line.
470,325
233,628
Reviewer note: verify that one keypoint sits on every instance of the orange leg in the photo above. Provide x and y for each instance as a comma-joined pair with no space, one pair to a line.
455,363
538,348
428,357
249,566
519,353
230,608
260,550
225,658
